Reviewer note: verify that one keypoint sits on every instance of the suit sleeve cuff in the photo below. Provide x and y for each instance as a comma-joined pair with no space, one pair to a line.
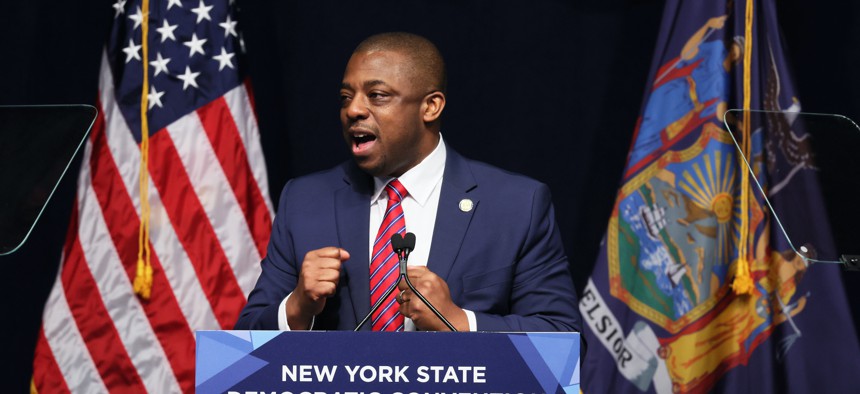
283,325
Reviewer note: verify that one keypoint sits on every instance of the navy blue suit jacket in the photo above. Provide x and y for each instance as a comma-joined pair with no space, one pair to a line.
503,260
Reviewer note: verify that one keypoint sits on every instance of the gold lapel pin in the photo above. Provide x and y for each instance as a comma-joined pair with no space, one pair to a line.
466,205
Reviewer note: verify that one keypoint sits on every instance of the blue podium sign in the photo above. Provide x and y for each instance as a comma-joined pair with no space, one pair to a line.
337,362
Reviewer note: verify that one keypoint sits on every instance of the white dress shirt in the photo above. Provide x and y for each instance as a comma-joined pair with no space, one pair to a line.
423,184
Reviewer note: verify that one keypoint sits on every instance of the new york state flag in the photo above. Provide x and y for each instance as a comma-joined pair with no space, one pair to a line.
695,290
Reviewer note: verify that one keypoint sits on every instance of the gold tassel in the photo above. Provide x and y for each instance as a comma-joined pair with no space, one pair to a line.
143,279
743,283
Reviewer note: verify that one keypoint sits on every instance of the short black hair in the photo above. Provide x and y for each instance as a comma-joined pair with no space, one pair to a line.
427,62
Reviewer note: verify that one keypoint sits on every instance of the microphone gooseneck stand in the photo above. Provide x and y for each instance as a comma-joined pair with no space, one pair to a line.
403,246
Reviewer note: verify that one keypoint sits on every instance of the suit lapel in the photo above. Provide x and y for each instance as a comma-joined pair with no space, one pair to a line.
352,211
452,222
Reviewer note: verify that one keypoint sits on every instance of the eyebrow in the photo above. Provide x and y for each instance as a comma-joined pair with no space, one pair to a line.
366,85
375,82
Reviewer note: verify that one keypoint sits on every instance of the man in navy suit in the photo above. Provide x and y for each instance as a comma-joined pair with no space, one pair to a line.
488,255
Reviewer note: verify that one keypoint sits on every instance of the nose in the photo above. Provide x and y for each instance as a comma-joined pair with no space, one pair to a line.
356,108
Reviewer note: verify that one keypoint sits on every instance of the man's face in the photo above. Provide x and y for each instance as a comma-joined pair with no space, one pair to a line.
381,114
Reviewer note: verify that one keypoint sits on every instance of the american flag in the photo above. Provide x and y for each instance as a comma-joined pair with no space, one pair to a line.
209,208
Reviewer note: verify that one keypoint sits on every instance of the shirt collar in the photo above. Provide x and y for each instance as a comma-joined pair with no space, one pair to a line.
420,180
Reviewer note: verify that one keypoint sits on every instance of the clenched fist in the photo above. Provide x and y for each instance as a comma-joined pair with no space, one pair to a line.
435,290
317,281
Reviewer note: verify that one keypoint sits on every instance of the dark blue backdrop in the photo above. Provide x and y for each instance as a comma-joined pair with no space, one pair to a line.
547,88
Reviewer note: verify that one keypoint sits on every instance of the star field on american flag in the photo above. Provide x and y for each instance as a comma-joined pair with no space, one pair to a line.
192,58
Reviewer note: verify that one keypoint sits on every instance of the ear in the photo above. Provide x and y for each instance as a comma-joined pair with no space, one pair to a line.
432,106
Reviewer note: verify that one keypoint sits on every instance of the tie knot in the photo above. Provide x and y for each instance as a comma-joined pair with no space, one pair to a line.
395,190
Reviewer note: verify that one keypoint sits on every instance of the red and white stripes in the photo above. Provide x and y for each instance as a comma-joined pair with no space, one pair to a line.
210,223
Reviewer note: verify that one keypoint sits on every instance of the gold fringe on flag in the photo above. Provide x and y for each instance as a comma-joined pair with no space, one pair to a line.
143,277
743,283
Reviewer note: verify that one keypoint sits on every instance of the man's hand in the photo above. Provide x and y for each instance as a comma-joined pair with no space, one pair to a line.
317,281
436,291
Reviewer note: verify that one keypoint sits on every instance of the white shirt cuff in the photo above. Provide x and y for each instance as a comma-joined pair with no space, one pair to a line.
283,325
473,322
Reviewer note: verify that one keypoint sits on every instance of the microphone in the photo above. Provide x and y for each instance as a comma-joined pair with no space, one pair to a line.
397,242
402,247
399,246
407,244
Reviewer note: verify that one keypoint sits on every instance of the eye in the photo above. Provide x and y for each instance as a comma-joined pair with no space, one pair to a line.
345,98
377,96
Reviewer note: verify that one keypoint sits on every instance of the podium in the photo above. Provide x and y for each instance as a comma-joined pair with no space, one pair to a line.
241,362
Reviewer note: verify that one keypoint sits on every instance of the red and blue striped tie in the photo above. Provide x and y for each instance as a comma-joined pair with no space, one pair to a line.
384,267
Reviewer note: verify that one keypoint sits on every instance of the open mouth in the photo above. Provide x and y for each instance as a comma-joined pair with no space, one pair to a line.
362,141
